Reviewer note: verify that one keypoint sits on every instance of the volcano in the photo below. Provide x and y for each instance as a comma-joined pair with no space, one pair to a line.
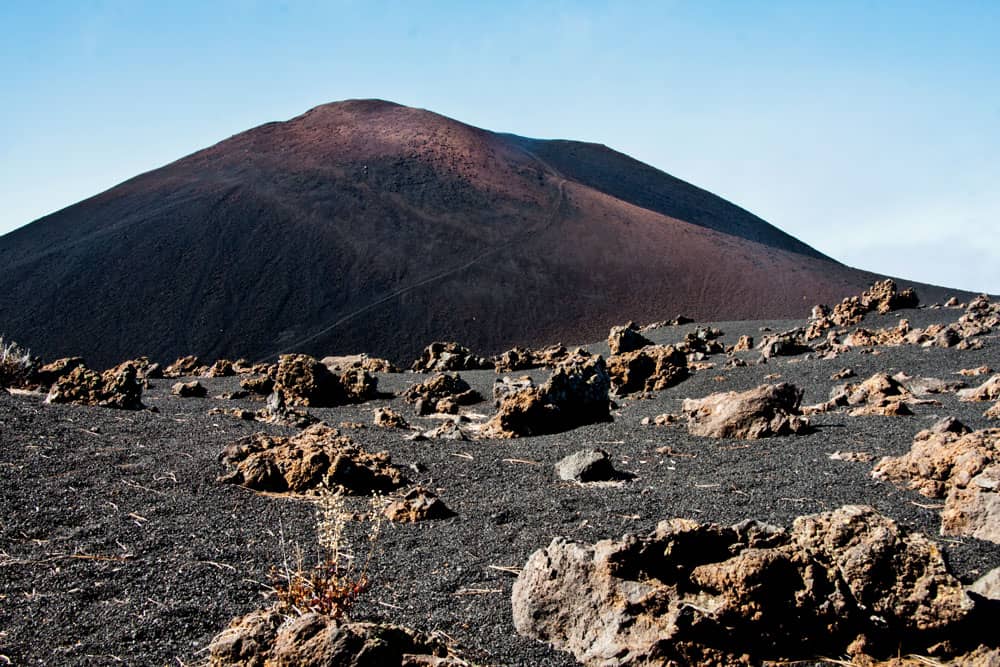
369,226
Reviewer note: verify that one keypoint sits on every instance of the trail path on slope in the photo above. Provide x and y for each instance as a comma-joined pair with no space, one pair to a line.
553,218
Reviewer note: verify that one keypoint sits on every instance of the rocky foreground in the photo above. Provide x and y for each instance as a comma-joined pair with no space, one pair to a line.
733,493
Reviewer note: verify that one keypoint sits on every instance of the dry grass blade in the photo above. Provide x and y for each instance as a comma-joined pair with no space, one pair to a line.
525,461
506,568
477,591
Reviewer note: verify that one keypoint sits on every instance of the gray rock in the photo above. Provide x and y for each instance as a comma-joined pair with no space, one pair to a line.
586,465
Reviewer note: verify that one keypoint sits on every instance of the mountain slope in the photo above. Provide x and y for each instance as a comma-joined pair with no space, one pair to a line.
365,225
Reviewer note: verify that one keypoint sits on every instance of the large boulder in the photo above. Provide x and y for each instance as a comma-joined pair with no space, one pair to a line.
962,468
119,388
691,593
304,381
265,638
440,356
575,394
768,410
652,368
317,458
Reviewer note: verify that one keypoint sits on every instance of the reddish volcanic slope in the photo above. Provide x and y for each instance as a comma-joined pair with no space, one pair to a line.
369,226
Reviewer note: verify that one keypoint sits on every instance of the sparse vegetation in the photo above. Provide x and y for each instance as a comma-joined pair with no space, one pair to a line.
340,575
16,364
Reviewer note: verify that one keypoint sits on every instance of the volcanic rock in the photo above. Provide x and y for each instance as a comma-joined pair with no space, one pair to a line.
389,418
51,372
262,385
444,392
521,358
117,388
359,361
878,395
277,411
417,504
192,389
586,465
222,368
691,593
768,410
506,385
786,343
184,367
964,469
266,637
449,357
303,380
975,372
993,412
626,339
652,368
317,458
743,344
987,391
575,394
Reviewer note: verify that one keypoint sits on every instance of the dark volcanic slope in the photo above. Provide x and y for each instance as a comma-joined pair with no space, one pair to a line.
365,225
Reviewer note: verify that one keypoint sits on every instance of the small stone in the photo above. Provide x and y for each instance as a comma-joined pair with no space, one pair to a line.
192,389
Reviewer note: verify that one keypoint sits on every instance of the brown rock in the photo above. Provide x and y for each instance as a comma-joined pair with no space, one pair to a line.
964,469
184,367
222,368
266,639
276,411
987,391
993,412
192,389
692,593
975,372
768,410
359,362
843,374
521,358
262,385
116,388
50,373
653,368
786,343
304,381
626,338
389,418
417,504
743,344
317,458
443,392
449,357
575,394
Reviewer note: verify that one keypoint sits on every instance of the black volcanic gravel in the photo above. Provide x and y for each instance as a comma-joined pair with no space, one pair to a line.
117,545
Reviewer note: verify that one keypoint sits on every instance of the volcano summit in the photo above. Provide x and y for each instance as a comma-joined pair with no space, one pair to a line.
366,225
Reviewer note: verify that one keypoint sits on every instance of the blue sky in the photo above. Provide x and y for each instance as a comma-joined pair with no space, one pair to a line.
870,130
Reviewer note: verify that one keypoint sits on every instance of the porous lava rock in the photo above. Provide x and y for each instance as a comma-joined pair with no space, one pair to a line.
697,594
51,372
449,356
184,367
304,381
993,412
417,504
222,368
522,358
768,410
743,344
882,297
265,638
652,368
317,458
586,465
987,391
192,389
784,344
961,468
701,343
878,395
359,361
116,388
277,411
575,394
389,418
261,385
626,338
444,392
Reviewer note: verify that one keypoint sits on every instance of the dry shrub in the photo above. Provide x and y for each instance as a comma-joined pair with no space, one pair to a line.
16,364
339,576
